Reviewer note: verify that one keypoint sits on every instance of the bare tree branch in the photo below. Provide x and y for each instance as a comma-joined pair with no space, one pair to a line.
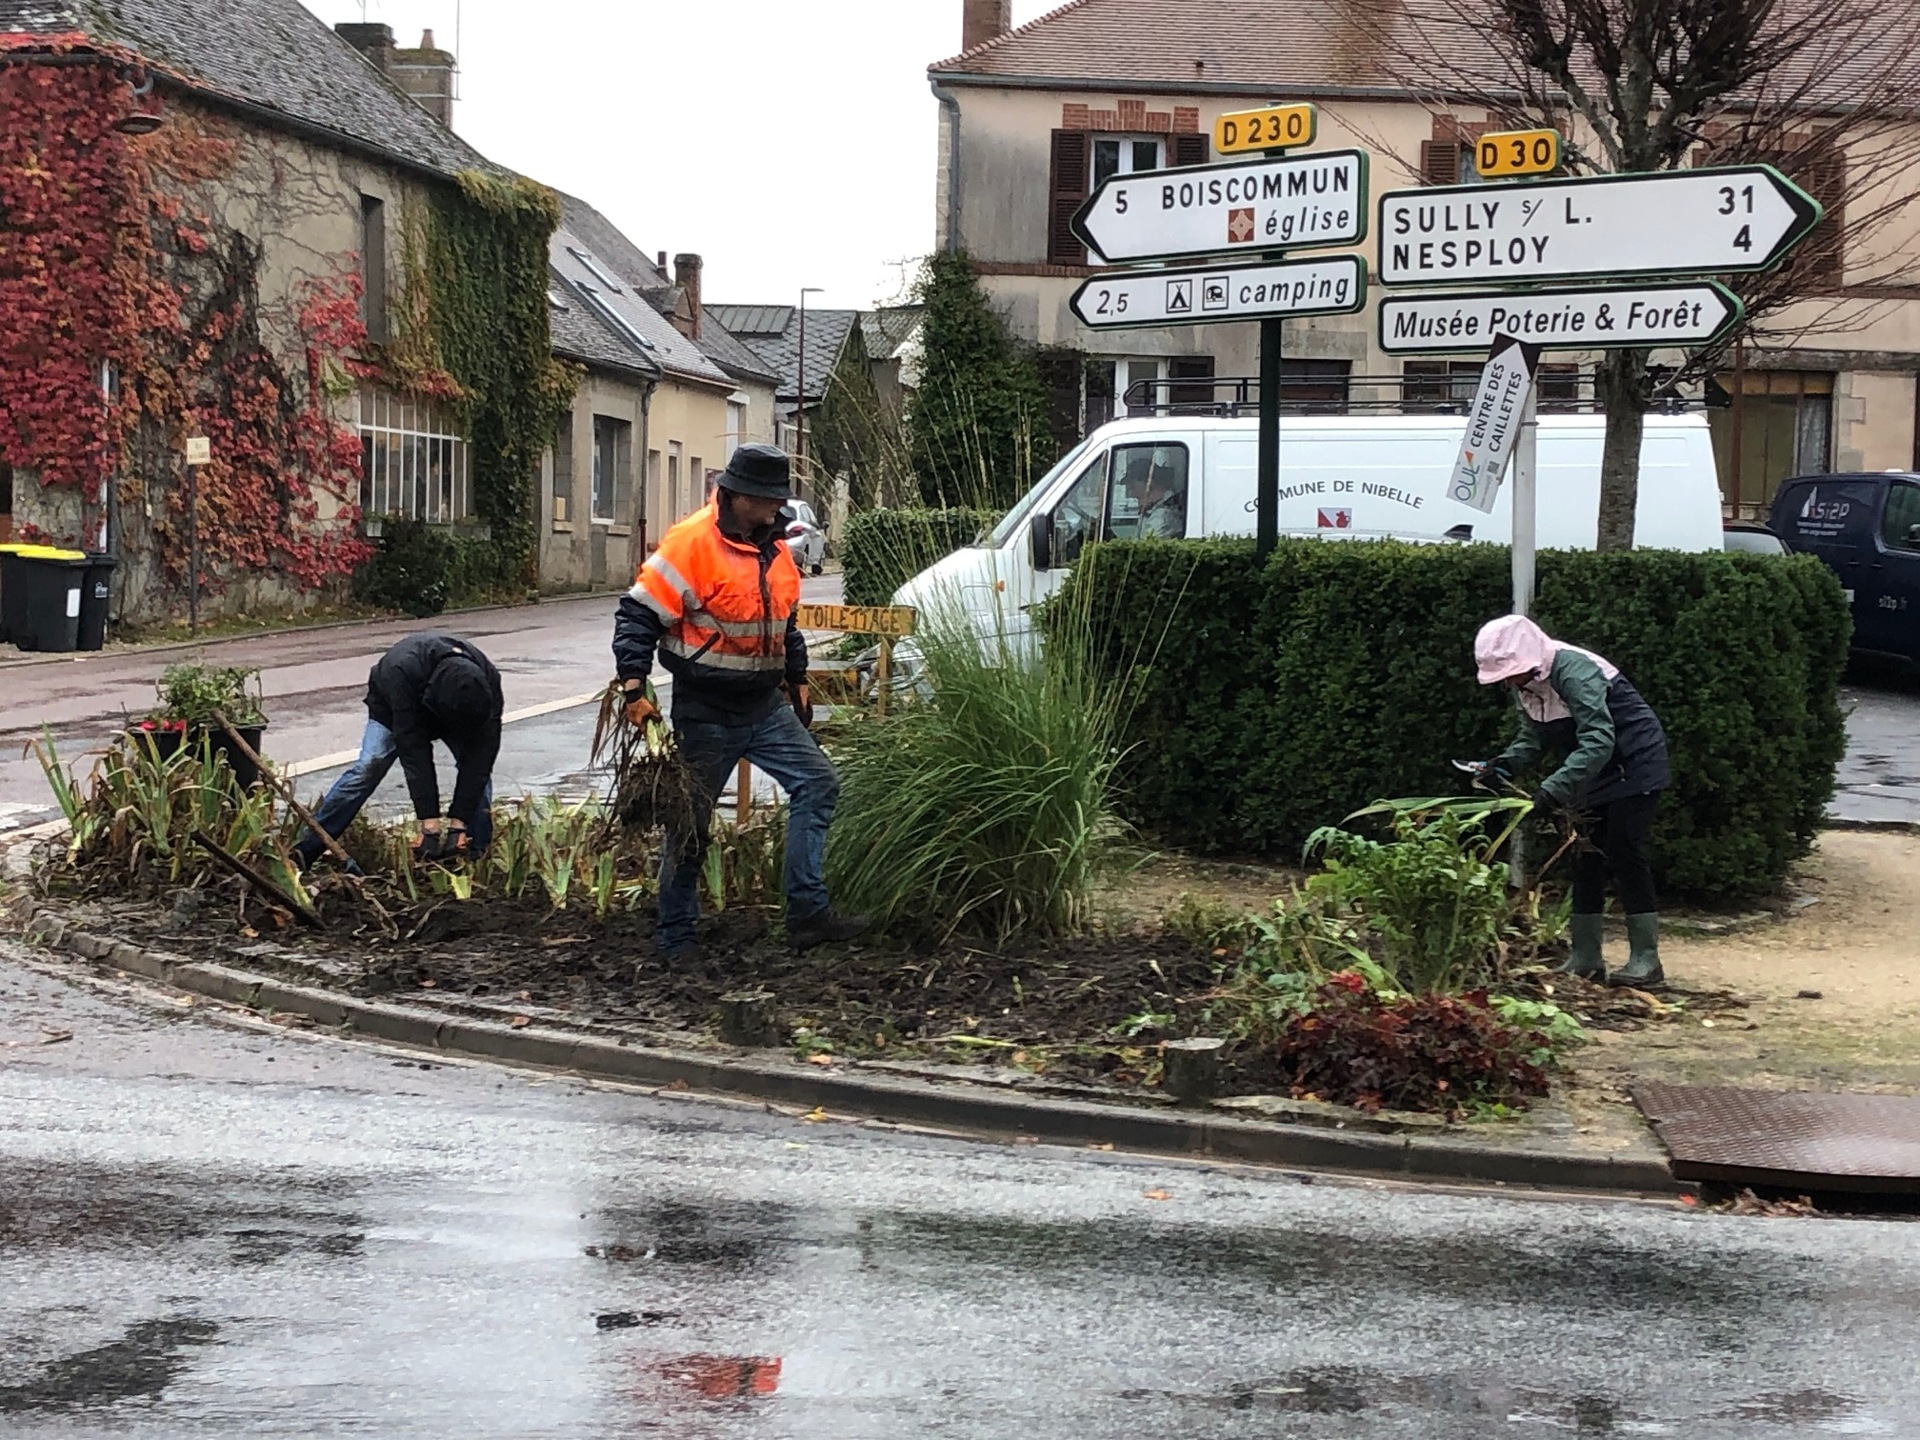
1827,91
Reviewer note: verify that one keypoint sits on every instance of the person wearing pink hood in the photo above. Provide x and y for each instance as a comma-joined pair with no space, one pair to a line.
1574,703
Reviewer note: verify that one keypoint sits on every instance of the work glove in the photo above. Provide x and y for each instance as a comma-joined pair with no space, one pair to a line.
639,709
1543,802
802,697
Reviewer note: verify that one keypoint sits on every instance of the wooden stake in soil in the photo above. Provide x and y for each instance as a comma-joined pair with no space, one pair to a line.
305,816
748,1017
1192,1069
260,882
285,791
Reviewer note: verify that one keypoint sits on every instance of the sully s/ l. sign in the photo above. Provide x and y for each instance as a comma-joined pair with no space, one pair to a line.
1678,222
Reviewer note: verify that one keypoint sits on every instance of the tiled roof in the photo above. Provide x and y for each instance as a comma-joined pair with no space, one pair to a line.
272,54
641,332
756,321
888,328
635,267
827,332
579,334
1284,48
1190,45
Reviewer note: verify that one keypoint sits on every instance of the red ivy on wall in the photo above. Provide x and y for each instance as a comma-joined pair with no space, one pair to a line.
102,259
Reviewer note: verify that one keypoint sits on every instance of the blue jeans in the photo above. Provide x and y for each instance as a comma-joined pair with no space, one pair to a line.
352,790
781,746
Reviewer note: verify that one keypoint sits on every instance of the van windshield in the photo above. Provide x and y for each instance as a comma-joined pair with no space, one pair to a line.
1017,516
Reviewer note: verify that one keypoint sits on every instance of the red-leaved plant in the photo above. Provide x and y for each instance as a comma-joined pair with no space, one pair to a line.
1448,1053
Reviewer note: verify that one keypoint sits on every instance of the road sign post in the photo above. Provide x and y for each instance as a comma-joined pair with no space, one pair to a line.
1676,222
1525,491
1614,317
1124,299
1506,153
1290,201
1273,127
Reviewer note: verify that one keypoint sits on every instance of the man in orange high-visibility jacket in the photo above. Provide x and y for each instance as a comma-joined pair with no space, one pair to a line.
716,603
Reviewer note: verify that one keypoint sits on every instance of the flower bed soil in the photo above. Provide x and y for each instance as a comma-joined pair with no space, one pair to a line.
1068,1009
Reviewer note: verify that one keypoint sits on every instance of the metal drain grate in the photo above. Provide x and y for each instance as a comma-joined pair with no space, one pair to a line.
1867,1143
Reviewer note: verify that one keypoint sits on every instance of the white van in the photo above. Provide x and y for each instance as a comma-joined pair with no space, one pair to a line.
1341,477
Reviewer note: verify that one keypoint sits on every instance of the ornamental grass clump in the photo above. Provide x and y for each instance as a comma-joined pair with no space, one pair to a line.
983,805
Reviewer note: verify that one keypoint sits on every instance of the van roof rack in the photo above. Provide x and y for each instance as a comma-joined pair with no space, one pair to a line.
1232,396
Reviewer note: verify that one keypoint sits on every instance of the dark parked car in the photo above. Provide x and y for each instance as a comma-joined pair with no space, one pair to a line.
1867,527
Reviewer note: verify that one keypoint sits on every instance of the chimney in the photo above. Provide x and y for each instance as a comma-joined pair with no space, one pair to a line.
426,74
982,20
661,264
373,41
686,274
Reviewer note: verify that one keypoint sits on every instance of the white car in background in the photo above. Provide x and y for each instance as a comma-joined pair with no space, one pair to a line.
805,538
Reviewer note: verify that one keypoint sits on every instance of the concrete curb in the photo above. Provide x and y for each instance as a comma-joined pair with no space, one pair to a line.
951,1105
1895,827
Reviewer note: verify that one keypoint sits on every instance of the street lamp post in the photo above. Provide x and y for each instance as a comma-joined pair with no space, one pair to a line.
800,405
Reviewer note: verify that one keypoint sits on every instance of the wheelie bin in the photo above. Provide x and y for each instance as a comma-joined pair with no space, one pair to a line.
96,594
49,616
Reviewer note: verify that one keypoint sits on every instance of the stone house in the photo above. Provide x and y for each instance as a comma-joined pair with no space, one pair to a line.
1032,119
250,196
668,395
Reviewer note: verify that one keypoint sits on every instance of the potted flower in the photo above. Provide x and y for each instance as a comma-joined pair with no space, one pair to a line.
190,697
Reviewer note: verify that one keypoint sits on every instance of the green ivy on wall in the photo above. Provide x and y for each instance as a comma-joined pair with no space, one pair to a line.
484,267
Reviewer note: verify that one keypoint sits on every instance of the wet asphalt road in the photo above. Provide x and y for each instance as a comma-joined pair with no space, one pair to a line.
1879,780
205,1232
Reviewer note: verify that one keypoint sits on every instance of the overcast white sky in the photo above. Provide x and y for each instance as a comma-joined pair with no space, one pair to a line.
790,142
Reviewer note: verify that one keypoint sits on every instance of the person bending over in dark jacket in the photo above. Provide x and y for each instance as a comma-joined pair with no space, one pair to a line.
1576,704
426,688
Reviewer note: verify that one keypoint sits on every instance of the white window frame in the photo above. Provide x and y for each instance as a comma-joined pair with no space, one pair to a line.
1126,165
1162,148
415,463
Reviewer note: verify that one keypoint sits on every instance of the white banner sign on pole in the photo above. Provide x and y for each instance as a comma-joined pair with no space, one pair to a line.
1493,422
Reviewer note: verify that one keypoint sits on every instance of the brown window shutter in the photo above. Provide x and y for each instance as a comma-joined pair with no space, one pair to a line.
1439,162
1072,168
1192,149
1826,247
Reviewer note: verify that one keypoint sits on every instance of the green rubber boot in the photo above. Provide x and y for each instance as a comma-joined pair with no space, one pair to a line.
1642,970
1585,961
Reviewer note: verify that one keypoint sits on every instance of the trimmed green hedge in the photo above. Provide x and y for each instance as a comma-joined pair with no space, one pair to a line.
1284,697
883,549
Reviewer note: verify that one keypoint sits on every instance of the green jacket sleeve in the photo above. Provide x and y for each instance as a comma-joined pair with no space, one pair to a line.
1583,685
1524,750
